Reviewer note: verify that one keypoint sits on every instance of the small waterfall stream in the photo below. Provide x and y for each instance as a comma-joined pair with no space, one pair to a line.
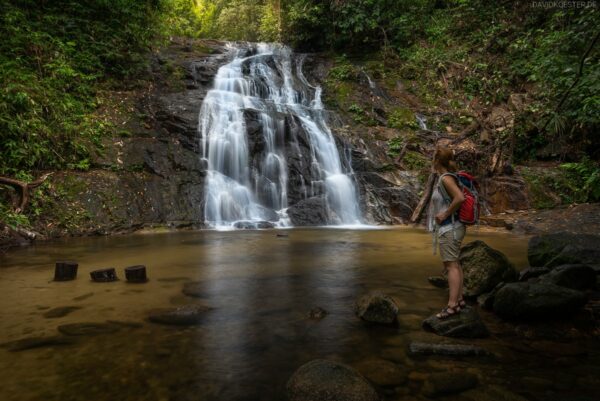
247,186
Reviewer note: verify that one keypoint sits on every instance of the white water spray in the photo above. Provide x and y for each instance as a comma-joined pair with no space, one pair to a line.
240,188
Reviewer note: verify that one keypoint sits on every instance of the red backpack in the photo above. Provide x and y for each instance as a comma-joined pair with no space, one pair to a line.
469,210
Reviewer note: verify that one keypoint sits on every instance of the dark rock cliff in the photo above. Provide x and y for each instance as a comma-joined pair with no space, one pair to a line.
151,174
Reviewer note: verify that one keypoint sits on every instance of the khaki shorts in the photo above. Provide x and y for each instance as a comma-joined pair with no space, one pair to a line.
450,243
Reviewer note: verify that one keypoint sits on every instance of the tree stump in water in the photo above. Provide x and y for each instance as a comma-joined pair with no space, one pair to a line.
65,270
136,274
104,275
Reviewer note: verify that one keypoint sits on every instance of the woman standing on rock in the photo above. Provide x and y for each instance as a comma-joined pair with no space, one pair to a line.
446,227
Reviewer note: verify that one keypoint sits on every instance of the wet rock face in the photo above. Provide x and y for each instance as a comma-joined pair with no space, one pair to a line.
537,300
323,380
563,248
466,324
309,212
484,268
377,308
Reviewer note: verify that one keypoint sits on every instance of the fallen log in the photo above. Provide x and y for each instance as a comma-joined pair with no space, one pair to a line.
104,275
425,198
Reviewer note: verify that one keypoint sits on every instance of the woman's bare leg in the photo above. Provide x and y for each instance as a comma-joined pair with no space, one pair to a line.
454,282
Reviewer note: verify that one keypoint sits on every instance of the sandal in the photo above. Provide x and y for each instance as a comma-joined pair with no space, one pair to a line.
462,303
448,311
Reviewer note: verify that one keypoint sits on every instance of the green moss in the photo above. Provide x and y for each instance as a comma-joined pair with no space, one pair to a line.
414,161
548,187
402,118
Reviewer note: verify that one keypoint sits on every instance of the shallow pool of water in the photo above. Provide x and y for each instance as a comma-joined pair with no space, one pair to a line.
260,286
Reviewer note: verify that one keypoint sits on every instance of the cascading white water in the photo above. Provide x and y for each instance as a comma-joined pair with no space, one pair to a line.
242,189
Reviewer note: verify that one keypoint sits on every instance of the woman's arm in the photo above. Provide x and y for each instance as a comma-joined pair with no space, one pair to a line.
457,198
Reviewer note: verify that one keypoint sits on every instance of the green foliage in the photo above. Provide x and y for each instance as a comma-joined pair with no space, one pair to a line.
585,176
402,118
53,58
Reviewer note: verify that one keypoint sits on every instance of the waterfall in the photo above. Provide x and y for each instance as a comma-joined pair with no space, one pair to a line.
251,186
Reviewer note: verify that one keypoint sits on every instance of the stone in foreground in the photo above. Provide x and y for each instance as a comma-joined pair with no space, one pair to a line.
484,268
378,308
466,324
323,380
420,348
438,384
539,300
187,315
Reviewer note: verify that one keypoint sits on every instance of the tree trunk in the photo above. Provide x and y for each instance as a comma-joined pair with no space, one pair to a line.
65,270
136,274
104,275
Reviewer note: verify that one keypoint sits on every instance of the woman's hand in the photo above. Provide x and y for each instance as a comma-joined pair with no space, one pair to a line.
441,216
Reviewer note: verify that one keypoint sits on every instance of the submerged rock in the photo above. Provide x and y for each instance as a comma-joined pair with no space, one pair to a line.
438,384
563,248
420,348
438,281
577,277
383,373
37,342
491,393
60,311
484,268
88,329
536,301
377,308
194,289
323,380
466,324
181,316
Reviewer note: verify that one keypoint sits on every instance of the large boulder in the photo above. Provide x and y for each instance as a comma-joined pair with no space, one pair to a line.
377,308
309,212
536,300
577,277
466,324
323,380
484,268
563,248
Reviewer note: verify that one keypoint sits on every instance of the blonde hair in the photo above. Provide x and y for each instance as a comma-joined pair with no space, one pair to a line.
444,158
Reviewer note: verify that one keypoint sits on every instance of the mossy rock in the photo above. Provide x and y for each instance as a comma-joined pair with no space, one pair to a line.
484,268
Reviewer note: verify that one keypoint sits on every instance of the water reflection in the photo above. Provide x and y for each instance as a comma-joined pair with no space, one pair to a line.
260,287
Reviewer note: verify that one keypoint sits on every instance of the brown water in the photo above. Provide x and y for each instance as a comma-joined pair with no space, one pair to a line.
261,288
